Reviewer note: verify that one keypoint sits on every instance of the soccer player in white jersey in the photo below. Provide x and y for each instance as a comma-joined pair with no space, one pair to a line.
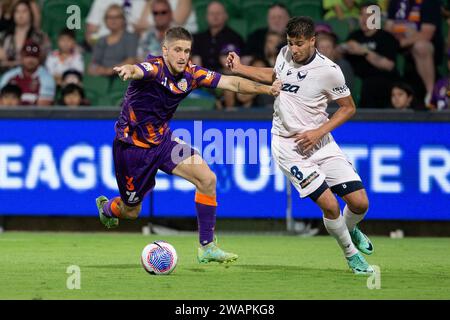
302,144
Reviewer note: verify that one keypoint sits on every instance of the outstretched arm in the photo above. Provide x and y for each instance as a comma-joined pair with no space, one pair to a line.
129,72
263,75
241,85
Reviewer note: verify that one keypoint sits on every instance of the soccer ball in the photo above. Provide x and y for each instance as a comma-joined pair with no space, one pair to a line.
159,258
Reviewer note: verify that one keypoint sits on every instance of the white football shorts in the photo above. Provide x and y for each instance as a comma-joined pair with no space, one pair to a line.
327,164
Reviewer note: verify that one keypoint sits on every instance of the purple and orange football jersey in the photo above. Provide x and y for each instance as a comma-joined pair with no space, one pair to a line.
150,103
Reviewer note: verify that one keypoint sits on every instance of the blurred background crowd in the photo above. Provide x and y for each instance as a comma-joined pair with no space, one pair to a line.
44,61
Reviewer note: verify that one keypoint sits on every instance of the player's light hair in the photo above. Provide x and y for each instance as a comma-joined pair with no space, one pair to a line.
177,33
300,26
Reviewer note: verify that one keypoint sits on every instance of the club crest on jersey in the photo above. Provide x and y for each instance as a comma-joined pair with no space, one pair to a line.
182,84
301,75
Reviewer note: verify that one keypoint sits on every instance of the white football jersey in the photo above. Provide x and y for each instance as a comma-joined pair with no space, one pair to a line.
306,91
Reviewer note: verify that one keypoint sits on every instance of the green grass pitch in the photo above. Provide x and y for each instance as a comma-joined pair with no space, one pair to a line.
34,265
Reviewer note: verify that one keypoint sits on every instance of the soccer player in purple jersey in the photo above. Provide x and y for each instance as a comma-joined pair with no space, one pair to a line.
144,142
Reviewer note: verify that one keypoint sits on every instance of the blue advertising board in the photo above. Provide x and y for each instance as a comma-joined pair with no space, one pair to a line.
59,167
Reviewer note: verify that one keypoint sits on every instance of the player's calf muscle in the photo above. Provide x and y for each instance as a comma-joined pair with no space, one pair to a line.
130,213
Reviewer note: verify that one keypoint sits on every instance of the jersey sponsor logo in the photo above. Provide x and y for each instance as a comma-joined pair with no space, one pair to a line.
309,179
341,89
287,87
182,84
301,75
289,72
130,184
147,66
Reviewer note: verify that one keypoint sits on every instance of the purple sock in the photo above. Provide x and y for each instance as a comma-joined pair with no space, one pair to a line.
206,219
107,209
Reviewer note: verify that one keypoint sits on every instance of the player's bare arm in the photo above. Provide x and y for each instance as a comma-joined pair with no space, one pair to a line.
308,139
129,72
245,86
262,75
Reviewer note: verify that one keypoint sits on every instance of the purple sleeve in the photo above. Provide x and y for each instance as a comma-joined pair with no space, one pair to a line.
206,78
150,70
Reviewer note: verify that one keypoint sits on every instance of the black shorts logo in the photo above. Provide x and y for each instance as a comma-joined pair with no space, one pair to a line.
307,181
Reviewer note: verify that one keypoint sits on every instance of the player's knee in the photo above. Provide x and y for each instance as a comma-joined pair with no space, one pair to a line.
208,182
359,207
422,48
331,211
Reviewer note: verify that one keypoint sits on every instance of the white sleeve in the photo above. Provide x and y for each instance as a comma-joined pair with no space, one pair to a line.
334,83
279,64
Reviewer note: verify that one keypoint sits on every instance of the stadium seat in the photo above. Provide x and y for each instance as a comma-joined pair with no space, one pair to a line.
97,90
197,104
200,7
117,91
238,25
340,27
356,93
255,14
54,18
311,8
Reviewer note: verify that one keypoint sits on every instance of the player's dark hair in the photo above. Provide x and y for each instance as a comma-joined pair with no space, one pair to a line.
11,89
178,33
300,26
366,4
72,88
68,33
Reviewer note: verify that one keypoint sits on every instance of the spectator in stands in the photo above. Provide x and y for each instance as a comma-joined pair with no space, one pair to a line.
13,39
10,95
417,25
372,54
255,101
6,14
207,45
66,57
182,12
96,25
232,101
150,42
72,76
441,93
37,85
277,19
341,9
326,43
272,46
72,95
446,15
402,97
117,48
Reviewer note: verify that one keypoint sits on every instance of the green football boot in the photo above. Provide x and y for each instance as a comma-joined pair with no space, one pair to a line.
108,222
359,265
361,241
212,253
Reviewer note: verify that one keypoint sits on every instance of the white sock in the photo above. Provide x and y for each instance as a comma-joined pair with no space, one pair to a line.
339,231
352,219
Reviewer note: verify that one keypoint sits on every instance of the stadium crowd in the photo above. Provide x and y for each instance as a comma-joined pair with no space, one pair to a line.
403,65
